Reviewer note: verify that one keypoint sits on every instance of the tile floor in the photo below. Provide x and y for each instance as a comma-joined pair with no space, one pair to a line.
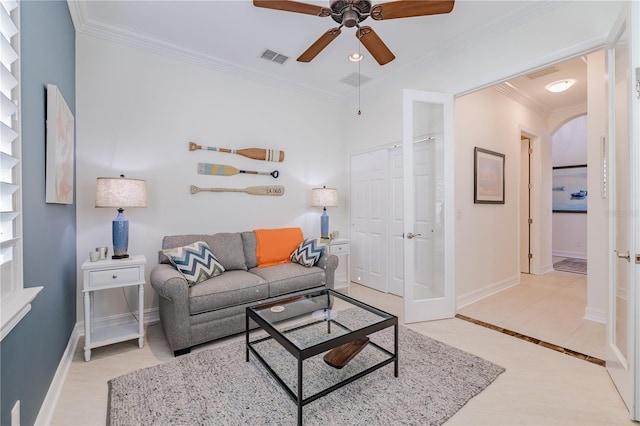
548,307
540,386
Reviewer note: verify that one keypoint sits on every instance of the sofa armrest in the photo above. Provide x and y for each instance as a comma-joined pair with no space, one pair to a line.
168,282
173,292
328,262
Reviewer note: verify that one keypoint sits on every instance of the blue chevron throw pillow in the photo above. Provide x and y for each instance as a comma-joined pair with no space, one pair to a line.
195,262
307,253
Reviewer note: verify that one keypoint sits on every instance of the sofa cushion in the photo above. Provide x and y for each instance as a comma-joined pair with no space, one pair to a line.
274,246
172,241
195,262
229,289
229,250
249,244
308,252
289,277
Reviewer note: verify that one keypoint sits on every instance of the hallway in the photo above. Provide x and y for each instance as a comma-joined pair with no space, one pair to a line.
548,307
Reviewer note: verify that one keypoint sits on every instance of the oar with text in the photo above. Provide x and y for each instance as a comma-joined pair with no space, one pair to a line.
273,190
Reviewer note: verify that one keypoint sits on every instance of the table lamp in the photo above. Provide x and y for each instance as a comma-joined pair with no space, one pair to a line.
324,197
120,192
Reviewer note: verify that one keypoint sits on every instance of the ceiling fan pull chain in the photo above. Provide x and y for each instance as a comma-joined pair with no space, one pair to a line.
359,56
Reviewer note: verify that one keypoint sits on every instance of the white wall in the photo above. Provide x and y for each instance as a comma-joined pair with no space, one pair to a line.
488,235
137,111
569,146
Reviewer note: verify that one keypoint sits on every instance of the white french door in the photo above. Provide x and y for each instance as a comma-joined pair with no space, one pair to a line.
623,327
428,206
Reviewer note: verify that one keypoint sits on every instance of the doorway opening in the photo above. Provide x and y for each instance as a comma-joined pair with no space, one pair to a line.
543,304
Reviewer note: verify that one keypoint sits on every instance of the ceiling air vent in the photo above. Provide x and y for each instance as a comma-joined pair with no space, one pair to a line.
272,56
352,79
542,73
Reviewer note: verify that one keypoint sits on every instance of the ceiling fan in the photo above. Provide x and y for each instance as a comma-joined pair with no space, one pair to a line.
350,13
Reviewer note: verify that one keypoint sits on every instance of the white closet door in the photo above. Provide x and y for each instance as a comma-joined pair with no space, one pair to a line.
369,216
396,244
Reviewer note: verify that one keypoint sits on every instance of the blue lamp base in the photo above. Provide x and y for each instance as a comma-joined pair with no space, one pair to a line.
324,224
120,232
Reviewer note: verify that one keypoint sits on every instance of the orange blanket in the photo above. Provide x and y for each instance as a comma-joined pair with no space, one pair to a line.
274,246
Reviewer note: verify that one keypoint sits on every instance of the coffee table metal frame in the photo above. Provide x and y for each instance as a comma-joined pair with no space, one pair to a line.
300,354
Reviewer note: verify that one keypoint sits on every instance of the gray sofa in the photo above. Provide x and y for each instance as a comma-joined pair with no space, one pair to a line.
215,308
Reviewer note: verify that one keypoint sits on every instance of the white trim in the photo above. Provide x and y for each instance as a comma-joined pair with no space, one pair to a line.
48,407
596,315
545,269
50,402
484,292
518,69
15,307
572,254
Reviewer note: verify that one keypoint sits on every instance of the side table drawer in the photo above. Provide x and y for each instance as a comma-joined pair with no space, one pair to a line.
339,249
114,276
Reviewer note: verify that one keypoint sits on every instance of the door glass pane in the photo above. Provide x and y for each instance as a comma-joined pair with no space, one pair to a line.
428,177
621,194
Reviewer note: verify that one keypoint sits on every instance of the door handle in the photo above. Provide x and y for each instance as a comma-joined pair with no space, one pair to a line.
626,255
411,235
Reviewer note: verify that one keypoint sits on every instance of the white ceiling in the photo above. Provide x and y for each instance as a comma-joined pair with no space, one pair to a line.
232,35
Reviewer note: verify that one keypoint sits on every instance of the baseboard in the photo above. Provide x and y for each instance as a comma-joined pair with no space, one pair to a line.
546,269
596,315
48,407
572,254
490,290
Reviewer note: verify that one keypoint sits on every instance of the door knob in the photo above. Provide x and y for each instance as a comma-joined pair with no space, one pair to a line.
626,255
411,235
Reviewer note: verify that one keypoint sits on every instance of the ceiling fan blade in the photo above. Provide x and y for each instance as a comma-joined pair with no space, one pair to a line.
319,44
375,45
293,6
409,8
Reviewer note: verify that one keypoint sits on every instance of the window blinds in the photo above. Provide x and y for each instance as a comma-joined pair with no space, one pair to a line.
10,151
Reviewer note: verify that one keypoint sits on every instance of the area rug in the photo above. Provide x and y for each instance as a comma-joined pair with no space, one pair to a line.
578,266
217,387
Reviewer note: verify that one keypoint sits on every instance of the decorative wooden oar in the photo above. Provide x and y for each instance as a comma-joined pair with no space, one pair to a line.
253,153
224,170
274,190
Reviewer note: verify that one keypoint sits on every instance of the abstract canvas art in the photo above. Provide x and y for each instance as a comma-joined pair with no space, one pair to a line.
60,140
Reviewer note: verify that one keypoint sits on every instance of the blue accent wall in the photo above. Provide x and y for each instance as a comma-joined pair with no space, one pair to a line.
30,354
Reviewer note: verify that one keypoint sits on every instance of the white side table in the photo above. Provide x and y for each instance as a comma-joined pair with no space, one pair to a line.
342,247
103,275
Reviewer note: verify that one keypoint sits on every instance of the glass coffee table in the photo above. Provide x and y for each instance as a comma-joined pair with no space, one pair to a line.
294,332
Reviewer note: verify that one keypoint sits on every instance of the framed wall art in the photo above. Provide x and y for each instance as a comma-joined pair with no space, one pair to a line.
569,187
60,140
488,177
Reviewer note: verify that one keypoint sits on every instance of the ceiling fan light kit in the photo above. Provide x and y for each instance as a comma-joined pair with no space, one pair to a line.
350,13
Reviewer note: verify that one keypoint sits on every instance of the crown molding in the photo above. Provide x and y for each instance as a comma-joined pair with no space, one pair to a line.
86,26
523,99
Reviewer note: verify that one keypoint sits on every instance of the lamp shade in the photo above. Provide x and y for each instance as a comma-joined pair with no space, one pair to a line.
121,192
324,197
